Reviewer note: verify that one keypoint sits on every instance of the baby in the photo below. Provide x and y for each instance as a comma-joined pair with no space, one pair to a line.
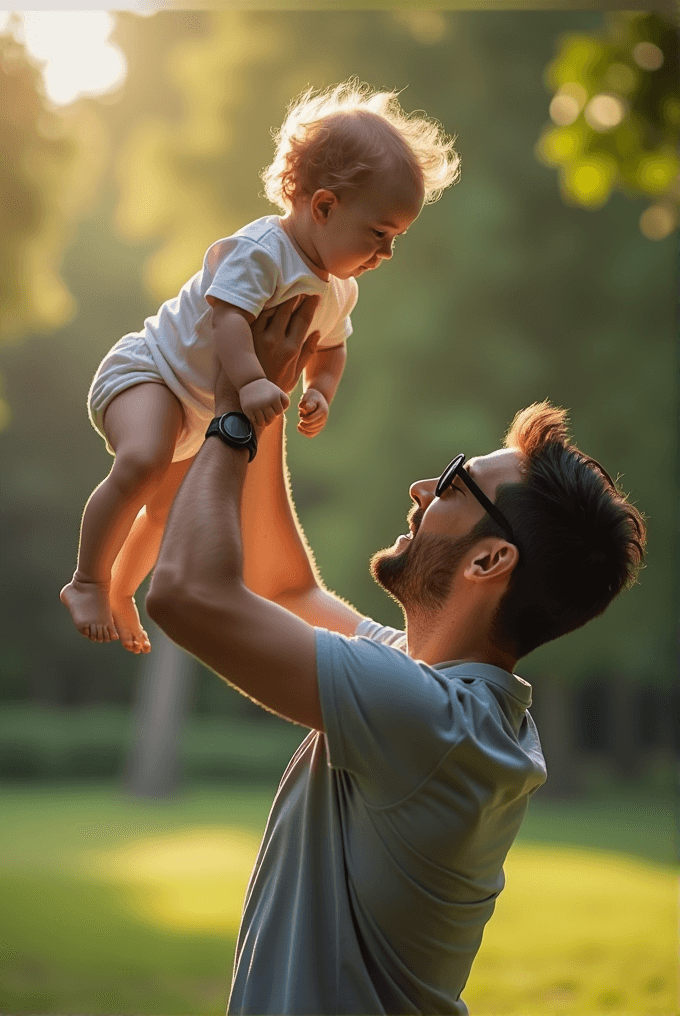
351,172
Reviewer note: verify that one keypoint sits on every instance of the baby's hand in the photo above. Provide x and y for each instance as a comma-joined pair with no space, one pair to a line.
262,401
313,409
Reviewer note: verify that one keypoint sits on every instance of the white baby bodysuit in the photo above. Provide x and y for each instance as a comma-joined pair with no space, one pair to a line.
255,268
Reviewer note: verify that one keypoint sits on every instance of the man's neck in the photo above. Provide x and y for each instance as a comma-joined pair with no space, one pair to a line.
436,640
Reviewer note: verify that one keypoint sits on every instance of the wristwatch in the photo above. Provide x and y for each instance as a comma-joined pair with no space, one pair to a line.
234,429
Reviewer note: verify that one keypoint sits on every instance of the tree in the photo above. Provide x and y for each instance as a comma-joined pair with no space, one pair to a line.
500,294
48,171
616,109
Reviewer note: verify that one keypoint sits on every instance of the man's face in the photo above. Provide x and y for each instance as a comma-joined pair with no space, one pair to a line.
419,568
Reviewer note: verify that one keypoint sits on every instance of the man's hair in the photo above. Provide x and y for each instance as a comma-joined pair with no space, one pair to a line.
580,541
339,138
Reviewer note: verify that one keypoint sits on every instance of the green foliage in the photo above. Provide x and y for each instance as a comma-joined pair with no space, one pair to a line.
51,165
499,296
40,149
93,744
617,111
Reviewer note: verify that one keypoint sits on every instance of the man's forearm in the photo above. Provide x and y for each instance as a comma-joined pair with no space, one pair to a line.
201,554
277,557
198,594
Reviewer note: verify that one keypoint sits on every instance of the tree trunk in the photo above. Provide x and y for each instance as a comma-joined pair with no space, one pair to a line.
626,754
554,713
163,695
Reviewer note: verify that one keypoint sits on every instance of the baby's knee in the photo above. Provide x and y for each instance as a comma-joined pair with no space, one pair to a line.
136,470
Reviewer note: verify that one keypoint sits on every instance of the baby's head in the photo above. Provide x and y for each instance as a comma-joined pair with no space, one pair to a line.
357,170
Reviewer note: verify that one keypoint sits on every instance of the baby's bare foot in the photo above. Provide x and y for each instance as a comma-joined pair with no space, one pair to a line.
88,603
128,625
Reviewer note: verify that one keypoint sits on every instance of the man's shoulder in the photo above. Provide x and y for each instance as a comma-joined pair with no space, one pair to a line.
367,628
373,649
469,678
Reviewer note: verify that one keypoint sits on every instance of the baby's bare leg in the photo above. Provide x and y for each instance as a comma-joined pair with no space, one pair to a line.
138,555
142,424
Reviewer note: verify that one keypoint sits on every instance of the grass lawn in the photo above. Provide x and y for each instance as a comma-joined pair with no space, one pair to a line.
115,905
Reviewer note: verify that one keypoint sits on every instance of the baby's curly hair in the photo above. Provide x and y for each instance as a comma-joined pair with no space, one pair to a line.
340,137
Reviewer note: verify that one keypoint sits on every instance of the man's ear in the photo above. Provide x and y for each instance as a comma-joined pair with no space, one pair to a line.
493,559
322,203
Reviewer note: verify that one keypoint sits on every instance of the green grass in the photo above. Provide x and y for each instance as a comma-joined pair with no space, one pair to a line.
634,821
117,905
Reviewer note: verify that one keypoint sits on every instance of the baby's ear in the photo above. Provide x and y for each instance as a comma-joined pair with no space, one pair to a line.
322,203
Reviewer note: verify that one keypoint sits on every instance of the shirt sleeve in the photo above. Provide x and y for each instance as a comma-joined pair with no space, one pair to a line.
343,329
389,720
246,276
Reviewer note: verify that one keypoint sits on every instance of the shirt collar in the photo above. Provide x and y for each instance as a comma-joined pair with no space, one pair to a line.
511,683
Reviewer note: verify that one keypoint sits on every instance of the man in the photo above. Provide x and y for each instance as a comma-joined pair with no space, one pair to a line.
383,854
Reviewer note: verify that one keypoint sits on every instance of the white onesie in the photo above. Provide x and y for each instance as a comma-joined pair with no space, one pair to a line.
256,268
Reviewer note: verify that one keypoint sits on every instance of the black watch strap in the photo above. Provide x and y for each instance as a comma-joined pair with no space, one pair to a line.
236,430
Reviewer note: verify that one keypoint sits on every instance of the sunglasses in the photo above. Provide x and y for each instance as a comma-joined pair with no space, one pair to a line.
454,469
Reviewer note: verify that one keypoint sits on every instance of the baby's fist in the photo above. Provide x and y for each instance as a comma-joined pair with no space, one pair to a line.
262,401
313,410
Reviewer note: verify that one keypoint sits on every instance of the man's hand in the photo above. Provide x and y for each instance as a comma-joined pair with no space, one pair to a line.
313,409
281,341
282,346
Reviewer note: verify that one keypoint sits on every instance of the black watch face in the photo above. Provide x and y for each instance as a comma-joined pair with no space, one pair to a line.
236,427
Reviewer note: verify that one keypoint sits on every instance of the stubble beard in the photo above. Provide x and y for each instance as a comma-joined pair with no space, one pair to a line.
420,577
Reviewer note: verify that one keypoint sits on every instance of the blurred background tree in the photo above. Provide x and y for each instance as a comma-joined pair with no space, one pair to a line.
616,109
506,291
48,171
501,294
52,457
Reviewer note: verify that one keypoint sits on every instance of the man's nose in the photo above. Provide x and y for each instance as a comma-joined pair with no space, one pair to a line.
422,492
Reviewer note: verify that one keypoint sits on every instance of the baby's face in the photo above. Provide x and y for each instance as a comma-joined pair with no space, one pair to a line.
359,230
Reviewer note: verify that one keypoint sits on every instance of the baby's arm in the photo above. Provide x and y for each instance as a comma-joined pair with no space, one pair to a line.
321,378
261,400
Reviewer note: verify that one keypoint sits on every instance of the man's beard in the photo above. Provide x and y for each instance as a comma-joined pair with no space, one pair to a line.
420,576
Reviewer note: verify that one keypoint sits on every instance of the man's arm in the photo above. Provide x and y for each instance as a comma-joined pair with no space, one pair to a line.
279,564
199,598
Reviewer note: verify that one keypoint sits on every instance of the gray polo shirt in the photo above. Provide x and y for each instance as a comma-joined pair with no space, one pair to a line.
383,853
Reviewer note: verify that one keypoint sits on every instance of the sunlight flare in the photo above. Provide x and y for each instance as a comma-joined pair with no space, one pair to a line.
191,880
73,50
